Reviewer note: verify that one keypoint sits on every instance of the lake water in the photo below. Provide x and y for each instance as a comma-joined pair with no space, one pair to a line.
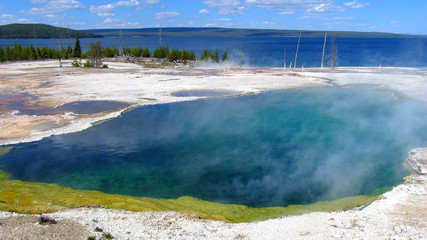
269,51
270,149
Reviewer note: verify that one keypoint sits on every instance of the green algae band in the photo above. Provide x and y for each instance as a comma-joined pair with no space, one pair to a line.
37,198
273,149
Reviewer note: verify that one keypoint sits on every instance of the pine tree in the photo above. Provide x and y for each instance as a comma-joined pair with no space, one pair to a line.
174,55
1,54
205,54
17,52
215,56
33,54
108,52
137,52
77,52
146,52
192,56
161,52
224,56
69,51
184,54
7,53
116,51
26,54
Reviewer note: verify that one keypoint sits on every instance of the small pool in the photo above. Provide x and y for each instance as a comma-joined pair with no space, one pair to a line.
91,107
203,93
24,104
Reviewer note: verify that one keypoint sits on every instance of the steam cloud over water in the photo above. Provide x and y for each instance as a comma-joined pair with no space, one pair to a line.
275,148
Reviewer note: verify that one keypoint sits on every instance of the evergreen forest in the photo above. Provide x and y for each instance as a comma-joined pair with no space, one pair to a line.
96,52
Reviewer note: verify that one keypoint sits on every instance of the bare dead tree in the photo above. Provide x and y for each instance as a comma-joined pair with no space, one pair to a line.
296,54
324,47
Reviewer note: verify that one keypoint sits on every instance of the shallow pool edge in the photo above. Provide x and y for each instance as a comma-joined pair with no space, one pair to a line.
37,198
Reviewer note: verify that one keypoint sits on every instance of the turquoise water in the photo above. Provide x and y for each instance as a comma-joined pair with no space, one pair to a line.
270,149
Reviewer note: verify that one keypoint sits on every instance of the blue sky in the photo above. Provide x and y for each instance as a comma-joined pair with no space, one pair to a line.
398,16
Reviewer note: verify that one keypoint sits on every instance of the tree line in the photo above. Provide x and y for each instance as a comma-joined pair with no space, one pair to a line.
96,52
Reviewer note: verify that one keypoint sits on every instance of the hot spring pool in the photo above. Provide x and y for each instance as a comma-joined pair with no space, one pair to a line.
272,149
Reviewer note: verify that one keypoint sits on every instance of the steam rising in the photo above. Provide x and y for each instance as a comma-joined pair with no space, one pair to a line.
276,148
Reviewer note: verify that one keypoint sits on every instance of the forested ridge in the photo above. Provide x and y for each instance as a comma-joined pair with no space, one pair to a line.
25,31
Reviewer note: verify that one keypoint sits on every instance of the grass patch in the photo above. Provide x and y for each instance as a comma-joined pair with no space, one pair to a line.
36,198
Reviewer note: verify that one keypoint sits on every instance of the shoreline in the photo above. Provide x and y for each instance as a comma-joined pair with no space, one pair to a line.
138,86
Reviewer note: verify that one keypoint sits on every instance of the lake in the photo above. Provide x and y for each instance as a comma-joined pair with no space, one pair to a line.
269,51
271,149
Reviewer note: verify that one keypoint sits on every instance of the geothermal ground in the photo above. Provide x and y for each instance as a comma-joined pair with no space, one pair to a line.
399,214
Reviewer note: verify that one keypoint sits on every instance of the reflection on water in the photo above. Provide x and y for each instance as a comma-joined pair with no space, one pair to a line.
276,148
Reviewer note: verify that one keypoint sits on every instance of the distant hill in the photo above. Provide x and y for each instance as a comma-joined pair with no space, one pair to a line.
232,32
17,30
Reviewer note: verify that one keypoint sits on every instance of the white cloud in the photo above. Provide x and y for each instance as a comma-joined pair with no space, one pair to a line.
63,5
355,4
203,11
227,6
324,8
38,1
51,16
106,14
285,7
167,15
130,3
265,23
111,21
224,19
8,16
102,8
152,1
133,24
105,10
327,18
54,6
290,6
286,13
24,20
